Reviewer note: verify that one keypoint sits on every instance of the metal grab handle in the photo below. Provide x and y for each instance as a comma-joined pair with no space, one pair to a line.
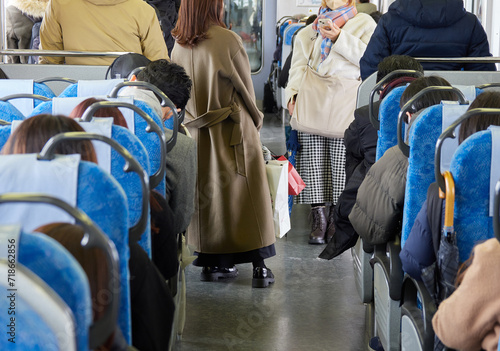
496,208
389,77
101,329
488,85
4,123
165,102
56,79
450,133
25,96
405,148
156,178
61,53
131,165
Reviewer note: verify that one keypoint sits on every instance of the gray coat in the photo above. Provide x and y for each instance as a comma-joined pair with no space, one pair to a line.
378,212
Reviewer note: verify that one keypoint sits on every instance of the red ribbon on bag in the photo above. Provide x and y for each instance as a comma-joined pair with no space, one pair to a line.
295,182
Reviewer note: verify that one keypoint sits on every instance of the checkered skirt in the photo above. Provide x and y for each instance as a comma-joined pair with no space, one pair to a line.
321,164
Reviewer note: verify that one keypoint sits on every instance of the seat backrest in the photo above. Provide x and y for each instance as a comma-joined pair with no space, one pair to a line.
42,321
471,169
98,195
388,116
9,112
53,264
151,141
24,86
89,88
423,136
287,40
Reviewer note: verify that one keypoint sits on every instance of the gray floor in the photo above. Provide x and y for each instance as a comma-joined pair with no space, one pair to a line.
313,304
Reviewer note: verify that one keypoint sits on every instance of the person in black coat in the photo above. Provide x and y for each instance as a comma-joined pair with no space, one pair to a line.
420,28
360,141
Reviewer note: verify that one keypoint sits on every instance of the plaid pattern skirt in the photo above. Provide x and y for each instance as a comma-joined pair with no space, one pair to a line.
321,164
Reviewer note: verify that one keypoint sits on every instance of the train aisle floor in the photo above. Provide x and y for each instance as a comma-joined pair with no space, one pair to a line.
313,305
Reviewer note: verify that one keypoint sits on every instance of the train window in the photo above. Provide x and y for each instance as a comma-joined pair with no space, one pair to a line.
244,17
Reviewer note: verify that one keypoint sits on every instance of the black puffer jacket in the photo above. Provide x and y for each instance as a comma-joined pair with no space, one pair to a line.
428,28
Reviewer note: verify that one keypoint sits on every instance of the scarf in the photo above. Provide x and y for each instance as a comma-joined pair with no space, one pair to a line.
338,16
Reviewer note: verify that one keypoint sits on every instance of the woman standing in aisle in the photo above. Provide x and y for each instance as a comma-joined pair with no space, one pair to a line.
233,218
332,45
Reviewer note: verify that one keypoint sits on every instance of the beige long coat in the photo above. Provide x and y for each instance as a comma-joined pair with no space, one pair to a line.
233,205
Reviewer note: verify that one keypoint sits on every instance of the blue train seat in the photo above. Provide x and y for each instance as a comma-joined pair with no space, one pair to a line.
24,86
89,88
388,116
43,320
95,190
59,269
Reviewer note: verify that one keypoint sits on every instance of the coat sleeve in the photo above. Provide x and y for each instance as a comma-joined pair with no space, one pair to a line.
51,35
418,251
353,45
464,319
479,48
152,43
377,49
242,81
301,50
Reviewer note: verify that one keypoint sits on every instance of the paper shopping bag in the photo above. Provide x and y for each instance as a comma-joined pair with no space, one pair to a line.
295,182
277,176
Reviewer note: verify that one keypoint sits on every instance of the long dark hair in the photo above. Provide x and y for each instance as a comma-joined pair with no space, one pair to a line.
488,99
195,17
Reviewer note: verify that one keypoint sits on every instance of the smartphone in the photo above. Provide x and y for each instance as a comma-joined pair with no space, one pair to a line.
322,22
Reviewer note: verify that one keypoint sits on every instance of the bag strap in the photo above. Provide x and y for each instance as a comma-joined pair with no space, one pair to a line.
434,214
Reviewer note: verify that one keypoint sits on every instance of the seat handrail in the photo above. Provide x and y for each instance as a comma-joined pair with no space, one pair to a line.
450,133
156,178
101,329
131,165
405,148
165,102
496,208
25,96
487,59
56,79
59,53
379,86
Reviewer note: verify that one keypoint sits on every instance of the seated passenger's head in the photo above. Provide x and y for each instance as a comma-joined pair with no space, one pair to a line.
32,134
430,99
488,99
395,62
113,112
170,78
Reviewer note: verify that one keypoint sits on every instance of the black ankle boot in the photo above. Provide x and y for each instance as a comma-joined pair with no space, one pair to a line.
262,277
317,235
212,274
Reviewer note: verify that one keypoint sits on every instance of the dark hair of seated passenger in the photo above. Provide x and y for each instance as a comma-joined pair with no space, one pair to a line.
32,134
487,99
396,62
430,99
113,112
170,78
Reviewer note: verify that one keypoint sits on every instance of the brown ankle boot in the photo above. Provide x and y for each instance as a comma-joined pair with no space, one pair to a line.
317,235
330,230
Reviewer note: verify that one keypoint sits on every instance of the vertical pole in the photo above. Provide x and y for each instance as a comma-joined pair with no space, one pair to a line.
3,45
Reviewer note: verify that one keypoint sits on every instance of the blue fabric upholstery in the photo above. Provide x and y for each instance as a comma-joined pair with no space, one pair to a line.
9,113
290,31
4,135
105,202
130,181
54,265
70,91
424,133
44,107
35,334
470,168
42,89
150,140
388,115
